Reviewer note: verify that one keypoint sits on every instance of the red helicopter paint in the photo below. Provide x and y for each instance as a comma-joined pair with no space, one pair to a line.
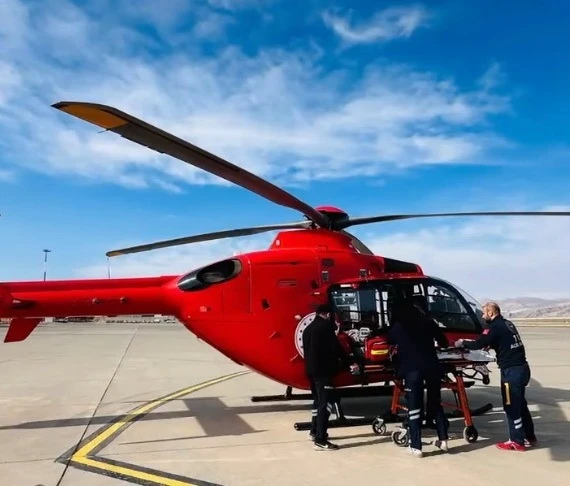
253,307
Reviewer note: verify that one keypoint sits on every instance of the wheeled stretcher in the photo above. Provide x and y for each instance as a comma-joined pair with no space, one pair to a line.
457,364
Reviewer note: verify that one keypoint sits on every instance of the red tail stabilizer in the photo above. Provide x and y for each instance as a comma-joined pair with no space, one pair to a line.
20,328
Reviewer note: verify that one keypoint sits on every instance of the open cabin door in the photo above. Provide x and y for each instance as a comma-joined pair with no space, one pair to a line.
368,304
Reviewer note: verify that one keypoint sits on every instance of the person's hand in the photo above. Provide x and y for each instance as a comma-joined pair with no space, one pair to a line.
354,369
459,343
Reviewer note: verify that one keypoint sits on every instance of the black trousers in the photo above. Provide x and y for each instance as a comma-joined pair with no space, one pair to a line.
414,388
514,381
323,401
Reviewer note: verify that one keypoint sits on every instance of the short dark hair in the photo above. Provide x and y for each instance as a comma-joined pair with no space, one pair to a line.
323,309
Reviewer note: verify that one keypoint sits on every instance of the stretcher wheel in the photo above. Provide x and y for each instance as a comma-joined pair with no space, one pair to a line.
470,434
401,437
486,380
378,426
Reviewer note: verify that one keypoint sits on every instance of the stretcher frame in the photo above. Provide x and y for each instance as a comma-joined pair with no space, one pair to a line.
458,386
454,380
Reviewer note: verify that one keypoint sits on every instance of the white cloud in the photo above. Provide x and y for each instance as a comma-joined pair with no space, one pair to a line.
496,257
493,77
6,175
385,25
490,257
278,113
240,4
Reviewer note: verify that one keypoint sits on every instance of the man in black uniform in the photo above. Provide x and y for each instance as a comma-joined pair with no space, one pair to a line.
502,336
414,334
323,358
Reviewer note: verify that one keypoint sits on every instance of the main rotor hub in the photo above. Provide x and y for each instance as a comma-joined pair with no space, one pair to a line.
335,215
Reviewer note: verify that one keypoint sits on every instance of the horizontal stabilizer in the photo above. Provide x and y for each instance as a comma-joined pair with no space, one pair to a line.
20,328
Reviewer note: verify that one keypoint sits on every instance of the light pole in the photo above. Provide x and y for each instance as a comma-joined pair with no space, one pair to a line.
45,262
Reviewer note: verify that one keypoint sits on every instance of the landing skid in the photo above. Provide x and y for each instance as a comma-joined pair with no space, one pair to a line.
340,421
288,395
353,392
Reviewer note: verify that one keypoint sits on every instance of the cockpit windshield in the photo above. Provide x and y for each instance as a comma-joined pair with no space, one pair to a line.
366,306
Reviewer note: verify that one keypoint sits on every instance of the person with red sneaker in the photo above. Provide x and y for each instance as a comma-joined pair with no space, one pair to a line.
503,337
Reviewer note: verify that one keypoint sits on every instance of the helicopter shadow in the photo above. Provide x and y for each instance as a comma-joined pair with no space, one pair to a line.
218,419
552,426
215,403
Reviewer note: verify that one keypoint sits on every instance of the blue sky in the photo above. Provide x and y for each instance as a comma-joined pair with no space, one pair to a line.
374,107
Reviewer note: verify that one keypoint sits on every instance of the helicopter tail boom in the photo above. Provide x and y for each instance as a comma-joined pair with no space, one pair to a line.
28,303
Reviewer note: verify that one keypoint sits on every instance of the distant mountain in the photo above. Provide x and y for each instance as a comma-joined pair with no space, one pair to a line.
532,307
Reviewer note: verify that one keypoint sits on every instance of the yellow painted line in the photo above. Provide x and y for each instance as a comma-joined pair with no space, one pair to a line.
82,456
125,471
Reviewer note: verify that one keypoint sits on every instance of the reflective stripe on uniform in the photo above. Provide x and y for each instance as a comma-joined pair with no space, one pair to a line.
507,394
414,414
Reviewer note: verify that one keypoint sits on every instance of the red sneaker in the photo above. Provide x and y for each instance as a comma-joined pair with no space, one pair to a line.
510,446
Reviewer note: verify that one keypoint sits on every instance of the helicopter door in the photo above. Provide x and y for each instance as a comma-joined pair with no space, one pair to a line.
287,286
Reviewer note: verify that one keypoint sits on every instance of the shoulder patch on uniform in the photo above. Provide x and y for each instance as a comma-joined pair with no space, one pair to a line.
486,331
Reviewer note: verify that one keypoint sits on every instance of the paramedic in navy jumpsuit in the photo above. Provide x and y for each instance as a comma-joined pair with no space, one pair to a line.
417,362
324,358
502,336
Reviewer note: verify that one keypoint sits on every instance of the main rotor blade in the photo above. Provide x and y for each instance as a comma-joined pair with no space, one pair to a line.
394,217
207,237
140,132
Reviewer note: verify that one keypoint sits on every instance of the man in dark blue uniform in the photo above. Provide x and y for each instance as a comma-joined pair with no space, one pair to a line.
502,336
414,334
324,357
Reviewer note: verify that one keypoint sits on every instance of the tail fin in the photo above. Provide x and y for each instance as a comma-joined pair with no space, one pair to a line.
20,328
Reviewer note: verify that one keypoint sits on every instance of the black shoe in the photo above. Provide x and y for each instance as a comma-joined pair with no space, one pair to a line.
327,446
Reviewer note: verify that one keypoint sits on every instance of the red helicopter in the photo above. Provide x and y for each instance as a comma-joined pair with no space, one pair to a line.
253,307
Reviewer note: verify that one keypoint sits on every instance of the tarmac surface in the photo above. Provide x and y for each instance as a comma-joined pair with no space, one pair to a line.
84,404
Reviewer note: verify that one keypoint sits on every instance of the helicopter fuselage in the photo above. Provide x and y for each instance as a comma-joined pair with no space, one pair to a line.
253,307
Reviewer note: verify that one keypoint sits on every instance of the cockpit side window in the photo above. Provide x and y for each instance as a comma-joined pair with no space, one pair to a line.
210,275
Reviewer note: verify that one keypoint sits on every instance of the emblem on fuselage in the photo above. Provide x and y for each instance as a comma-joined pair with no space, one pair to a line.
303,323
